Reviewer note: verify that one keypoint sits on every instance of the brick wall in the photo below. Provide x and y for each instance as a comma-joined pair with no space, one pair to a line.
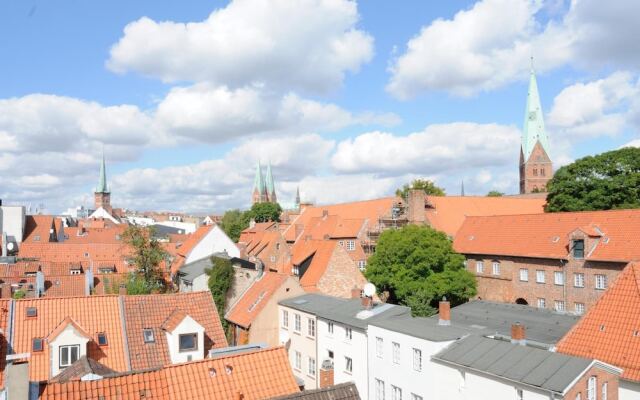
341,276
602,376
536,171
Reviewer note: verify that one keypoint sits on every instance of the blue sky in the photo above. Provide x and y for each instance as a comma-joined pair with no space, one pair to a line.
347,100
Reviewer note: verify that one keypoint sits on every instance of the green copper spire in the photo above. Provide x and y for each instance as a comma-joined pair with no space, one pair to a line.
269,180
258,183
533,129
102,183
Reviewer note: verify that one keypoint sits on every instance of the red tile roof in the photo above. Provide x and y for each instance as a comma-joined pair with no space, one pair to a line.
547,235
255,298
181,250
151,312
4,324
321,251
63,325
37,228
174,320
74,252
256,375
610,330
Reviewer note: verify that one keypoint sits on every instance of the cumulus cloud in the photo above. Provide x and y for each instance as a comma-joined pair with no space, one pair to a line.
307,45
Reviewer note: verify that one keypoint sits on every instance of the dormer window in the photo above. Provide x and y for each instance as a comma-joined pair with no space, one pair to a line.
36,344
36,238
147,334
102,339
32,312
189,342
76,271
578,248
69,355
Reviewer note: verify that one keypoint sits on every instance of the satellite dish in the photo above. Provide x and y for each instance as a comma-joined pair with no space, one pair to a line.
369,289
10,246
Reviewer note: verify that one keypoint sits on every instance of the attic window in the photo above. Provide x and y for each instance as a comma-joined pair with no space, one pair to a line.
102,339
36,344
76,271
86,255
36,238
32,312
228,369
212,372
578,248
147,333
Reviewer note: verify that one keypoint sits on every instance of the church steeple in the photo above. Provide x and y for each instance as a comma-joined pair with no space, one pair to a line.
270,185
102,182
102,195
259,194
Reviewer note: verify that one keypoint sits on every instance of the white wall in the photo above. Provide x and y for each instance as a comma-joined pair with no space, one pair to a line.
12,222
356,349
142,221
302,342
188,325
199,284
69,336
215,241
629,390
188,227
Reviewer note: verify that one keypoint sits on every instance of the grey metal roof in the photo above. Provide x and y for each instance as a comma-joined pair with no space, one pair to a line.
342,391
196,268
528,365
425,328
488,318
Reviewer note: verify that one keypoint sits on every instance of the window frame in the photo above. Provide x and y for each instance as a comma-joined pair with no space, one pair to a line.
396,393
379,389
592,388
285,318
495,268
188,349
560,275
600,282
557,303
330,327
479,267
297,360
104,336
311,371
351,245
543,301
579,305
311,327
395,352
33,344
146,338
575,249
541,273
578,276
68,347
417,356
348,333
379,347
297,323
348,365
524,272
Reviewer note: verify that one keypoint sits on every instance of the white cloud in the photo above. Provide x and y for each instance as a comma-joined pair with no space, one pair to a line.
307,45
438,148
633,143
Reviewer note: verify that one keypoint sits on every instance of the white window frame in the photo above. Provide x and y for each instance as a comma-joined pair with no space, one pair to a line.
519,394
395,346
348,364
592,387
297,323
542,303
362,264
311,367
396,393
495,266
578,280
579,308
601,282
297,361
379,347
330,327
524,275
379,389
604,395
480,267
540,276
579,396
559,305
311,327
285,318
348,333
558,278
351,245
417,360
68,348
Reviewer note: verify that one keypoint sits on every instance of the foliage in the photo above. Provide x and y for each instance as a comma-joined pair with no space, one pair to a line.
234,222
19,294
495,193
220,281
420,184
264,212
417,266
606,181
147,255
137,284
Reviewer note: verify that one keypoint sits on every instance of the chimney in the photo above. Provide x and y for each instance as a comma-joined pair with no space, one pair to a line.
356,293
122,290
326,374
367,302
416,207
518,334
444,309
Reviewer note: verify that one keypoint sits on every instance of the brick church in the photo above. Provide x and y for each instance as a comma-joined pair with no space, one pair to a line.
264,189
536,168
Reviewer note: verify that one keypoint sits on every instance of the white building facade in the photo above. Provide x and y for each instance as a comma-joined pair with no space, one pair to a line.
298,329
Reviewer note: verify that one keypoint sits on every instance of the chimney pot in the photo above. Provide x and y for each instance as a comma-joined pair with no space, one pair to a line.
444,310
367,302
356,293
518,334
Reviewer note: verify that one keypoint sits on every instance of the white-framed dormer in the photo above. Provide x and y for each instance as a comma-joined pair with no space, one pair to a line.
67,343
185,337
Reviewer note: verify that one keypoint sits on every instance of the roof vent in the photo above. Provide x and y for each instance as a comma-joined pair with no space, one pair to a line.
228,369
471,237
602,328
212,372
606,239
555,239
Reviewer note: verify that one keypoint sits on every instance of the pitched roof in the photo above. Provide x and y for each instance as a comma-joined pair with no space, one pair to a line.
151,312
256,375
341,391
63,325
320,251
182,250
82,367
610,330
37,228
174,319
94,313
547,235
255,298
4,324
74,252
447,213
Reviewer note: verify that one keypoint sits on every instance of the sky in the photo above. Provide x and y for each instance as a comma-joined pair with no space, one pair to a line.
347,100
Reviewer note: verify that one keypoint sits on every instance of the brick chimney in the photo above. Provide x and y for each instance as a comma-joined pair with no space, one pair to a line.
356,293
415,207
367,302
444,310
518,334
326,374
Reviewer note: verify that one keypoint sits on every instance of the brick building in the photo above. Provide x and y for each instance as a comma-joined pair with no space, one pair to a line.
563,261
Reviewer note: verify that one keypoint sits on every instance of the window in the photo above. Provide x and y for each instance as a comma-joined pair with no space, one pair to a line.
188,342
69,355
396,353
578,280
379,346
147,334
519,394
312,366
75,272
379,389
524,274
542,303
348,364
362,264
601,282
591,388
272,258
540,276
463,380
351,245
36,344
330,327
479,267
559,305
297,324
396,393
285,318
415,397
579,307
330,354
605,393
542,172
298,361
32,312
311,327
579,396
578,248
417,360
535,172
102,339
341,243
496,268
348,333
558,278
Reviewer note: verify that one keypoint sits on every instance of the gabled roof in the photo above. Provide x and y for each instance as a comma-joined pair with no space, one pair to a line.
151,312
174,319
68,321
37,228
256,375
610,330
547,235
341,391
320,251
84,366
255,298
74,252
4,324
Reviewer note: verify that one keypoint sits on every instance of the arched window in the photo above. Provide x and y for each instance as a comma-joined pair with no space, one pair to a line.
522,301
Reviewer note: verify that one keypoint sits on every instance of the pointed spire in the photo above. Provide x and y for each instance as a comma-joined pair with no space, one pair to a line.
102,182
258,183
298,196
270,186
462,188
533,129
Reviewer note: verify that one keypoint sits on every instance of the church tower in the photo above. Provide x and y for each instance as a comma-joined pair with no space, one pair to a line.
270,186
259,194
102,195
536,168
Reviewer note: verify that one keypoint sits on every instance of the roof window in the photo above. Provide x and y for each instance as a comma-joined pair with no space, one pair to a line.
212,372
32,312
228,369
578,248
102,339
36,238
147,333
36,344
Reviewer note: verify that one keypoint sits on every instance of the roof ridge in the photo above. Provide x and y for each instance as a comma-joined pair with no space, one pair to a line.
550,214
204,360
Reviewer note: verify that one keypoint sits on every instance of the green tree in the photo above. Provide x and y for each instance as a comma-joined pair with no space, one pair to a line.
606,181
420,184
234,222
264,212
417,266
220,281
147,255
19,294
495,193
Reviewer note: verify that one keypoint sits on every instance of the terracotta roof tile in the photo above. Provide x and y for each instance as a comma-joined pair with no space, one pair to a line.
174,320
63,325
73,252
255,298
81,368
37,228
610,330
321,250
547,235
4,324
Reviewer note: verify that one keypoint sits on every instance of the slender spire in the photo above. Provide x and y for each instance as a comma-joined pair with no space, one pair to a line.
258,183
270,186
462,188
298,196
102,182
533,129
